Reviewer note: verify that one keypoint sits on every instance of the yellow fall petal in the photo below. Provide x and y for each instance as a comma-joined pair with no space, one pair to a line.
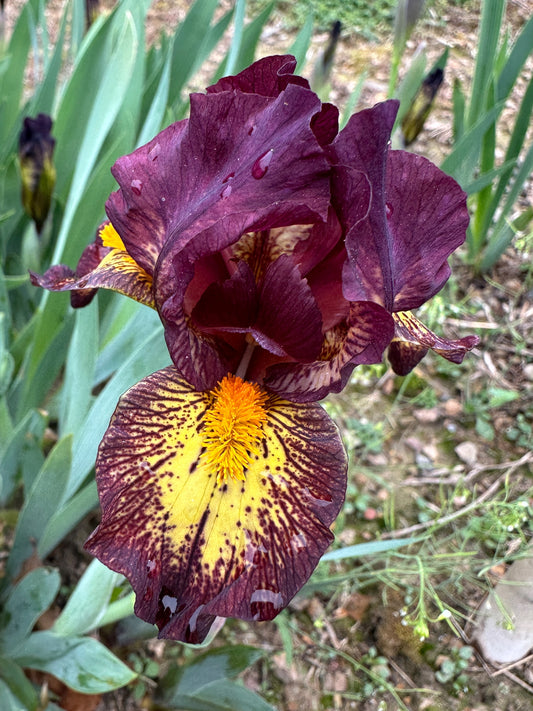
201,532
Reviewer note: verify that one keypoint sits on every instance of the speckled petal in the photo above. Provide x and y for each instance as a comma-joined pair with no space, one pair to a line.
413,340
194,550
117,271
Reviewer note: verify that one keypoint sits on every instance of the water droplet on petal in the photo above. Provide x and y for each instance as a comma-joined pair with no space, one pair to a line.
136,186
388,209
260,166
226,192
251,130
154,152
263,595
228,177
170,603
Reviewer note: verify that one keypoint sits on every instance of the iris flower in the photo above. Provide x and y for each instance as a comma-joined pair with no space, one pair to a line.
279,253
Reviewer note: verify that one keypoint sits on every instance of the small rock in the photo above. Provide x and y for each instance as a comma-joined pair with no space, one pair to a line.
427,415
467,453
528,371
370,514
453,407
504,621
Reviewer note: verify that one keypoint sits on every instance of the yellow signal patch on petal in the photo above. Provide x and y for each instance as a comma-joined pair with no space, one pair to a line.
119,271
111,238
196,541
234,427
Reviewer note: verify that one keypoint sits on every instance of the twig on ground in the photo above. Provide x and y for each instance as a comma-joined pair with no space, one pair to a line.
455,514
397,668
472,474
513,665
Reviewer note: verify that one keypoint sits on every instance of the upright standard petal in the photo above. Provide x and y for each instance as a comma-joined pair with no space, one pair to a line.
267,77
259,168
397,255
240,160
215,504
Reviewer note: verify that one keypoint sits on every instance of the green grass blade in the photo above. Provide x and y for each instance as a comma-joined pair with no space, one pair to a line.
458,111
12,79
502,239
514,149
188,42
301,44
353,99
124,335
520,51
46,354
75,398
502,233
66,517
106,104
462,160
156,113
488,178
43,99
235,47
41,502
11,452
250,38
491,22
88,602
486,164
366,549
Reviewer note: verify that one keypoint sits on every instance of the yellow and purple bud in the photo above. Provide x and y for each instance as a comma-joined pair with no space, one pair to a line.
419,110
38,173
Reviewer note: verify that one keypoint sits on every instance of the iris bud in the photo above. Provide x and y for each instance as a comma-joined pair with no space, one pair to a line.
419,110
38,173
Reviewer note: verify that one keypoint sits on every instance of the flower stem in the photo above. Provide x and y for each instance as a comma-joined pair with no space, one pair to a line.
245,361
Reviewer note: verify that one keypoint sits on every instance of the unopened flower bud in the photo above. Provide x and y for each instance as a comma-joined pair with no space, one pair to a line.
419,110
36,148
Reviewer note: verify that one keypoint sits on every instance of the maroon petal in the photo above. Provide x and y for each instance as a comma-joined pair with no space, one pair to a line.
267,77
229,306
361,339
238,180
427,218
362,148
241,160
99,267
141,210
417,217
289,321
90,258
325,124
